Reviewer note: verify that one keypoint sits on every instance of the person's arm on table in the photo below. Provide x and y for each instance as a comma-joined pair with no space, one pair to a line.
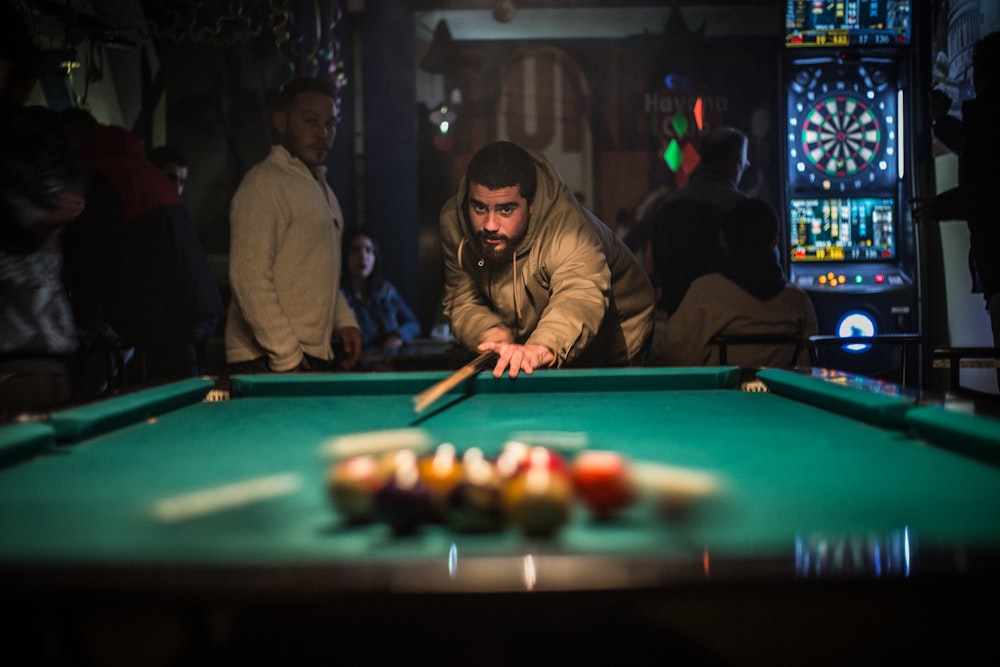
514,357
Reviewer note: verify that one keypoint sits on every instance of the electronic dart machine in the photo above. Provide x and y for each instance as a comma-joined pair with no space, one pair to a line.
852,246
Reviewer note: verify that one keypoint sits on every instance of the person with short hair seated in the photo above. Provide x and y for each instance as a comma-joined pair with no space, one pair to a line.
745,294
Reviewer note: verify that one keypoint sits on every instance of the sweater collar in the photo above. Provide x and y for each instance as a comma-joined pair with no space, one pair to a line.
280,155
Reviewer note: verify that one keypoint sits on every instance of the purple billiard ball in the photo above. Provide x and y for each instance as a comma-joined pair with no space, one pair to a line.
404,502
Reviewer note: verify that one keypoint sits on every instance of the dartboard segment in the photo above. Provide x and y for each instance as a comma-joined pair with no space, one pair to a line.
841,136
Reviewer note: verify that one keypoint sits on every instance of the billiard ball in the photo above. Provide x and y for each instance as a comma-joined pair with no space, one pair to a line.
474,505
352,484
517,456
567,443
404,501
602,481
376,443
511,458
442,472
538,500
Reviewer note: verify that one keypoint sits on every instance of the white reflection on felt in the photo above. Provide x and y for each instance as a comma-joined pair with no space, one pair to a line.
529,573
453,561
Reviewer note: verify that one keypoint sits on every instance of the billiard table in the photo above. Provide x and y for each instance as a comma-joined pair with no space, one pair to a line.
850,520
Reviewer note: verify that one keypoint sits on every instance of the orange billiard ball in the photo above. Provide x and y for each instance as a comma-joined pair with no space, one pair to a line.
442,472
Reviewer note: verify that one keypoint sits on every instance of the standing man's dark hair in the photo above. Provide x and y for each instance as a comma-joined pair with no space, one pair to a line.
296,87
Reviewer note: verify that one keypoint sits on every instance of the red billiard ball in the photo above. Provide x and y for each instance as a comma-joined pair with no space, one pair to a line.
603,482
352,484
538,500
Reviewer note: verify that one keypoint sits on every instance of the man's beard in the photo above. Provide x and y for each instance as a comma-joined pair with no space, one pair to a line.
494,254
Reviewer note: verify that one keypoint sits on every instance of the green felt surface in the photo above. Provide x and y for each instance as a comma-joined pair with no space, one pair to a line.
960,432
23,441
853,401
89,420
793,473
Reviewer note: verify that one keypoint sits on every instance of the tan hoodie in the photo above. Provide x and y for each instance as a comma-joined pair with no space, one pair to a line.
571,286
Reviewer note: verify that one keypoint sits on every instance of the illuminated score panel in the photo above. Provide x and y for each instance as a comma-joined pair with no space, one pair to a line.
840,23
842,229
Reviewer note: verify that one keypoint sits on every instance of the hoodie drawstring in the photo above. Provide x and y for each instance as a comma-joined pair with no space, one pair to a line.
517,305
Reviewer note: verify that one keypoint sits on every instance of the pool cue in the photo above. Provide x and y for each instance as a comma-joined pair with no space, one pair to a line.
428,396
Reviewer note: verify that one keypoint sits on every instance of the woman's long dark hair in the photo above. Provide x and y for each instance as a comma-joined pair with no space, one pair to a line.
375,279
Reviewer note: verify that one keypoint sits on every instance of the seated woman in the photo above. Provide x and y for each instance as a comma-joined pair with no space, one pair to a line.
386,321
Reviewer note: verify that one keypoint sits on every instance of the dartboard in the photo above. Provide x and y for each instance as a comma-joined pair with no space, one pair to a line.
841,136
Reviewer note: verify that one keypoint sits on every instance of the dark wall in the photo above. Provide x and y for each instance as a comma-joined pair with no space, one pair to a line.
390,140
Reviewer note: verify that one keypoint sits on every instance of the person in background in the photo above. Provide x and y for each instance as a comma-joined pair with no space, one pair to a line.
42,189
172,163
683,229
976,139
285,233
91,243
745,293
163,297
385,320
532,275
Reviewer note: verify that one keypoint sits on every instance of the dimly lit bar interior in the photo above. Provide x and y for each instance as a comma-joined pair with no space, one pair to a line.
499,331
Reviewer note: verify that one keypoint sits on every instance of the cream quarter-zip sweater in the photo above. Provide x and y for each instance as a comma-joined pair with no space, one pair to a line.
284,265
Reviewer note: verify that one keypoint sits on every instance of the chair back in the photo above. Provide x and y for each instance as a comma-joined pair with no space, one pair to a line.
794,341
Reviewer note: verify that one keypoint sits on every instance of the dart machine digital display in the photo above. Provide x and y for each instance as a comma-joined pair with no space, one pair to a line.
839,23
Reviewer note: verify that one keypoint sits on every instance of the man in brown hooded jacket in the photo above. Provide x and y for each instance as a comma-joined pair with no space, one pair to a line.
533,275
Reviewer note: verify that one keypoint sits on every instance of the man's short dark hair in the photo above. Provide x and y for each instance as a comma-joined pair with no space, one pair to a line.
161,156
721,147
752,223
296,87
502,165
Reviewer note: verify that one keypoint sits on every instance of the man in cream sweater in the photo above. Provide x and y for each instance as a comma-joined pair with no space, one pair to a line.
284,264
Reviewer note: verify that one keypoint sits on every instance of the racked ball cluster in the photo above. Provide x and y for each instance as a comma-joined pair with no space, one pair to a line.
393,477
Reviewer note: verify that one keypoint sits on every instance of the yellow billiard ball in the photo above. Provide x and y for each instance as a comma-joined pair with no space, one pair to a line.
538,500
